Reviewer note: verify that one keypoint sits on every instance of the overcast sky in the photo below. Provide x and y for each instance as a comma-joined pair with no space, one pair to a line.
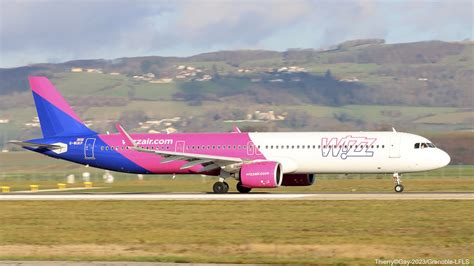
37,31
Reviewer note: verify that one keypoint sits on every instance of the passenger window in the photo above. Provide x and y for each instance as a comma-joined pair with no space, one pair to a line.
417,145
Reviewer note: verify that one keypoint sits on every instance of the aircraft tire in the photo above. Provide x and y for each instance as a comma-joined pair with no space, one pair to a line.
242,189
399,188
220,187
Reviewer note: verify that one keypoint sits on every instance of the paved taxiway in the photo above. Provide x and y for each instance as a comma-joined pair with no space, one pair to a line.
251,196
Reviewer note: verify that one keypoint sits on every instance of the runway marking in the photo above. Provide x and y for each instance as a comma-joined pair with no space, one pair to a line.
256,196
57,189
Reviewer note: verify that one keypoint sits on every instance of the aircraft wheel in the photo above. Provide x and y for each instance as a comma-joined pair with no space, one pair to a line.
220,187
399,188
243,189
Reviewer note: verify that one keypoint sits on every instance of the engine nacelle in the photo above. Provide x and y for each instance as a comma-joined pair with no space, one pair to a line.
293,180
265,174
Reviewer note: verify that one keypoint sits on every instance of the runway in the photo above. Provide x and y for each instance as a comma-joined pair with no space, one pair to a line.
242,197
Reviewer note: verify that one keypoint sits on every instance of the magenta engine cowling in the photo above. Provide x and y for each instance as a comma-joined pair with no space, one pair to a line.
264,174
298,180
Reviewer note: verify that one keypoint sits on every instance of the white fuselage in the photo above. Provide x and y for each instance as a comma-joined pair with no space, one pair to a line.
350,152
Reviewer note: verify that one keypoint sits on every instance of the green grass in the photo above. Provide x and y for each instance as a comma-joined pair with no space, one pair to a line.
237,232
345,69
153,91
448,118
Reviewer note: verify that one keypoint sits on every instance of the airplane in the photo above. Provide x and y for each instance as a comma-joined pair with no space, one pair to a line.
255,160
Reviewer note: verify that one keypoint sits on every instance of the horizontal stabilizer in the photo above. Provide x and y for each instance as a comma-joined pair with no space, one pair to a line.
34,145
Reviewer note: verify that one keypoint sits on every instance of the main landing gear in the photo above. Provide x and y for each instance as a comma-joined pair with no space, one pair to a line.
398,182
242,189
220,187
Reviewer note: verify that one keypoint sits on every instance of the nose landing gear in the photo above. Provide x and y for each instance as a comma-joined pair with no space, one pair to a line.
398,182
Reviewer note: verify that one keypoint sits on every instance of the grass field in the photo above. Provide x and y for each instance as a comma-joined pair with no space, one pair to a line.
306,232
237,232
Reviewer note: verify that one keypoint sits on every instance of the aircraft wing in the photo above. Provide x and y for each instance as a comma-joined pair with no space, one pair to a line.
210,162
34,145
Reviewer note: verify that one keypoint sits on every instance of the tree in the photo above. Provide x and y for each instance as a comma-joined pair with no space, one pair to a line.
328,74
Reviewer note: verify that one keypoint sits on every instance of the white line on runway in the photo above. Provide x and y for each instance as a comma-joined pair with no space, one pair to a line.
58,189
320,196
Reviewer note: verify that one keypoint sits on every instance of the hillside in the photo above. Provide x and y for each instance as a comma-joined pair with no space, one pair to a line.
356,85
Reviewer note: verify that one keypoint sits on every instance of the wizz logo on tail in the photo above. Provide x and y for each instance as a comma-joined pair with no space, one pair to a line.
348,146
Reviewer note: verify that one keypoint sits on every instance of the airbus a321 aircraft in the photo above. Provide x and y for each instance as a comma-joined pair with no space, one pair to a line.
255,160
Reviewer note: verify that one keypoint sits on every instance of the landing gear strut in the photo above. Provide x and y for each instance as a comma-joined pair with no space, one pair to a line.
398,182
220,187
242,189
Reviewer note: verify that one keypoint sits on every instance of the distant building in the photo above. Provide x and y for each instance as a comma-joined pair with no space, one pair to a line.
114,74
76,69
276,80
161,81
353,79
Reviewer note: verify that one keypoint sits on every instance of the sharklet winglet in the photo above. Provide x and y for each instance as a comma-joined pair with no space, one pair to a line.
236,129
128,140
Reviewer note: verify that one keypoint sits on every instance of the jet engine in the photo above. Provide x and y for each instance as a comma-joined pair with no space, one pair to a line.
291,180
265,174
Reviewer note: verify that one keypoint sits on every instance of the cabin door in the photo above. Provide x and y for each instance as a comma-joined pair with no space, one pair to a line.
179,146
394,146
89,149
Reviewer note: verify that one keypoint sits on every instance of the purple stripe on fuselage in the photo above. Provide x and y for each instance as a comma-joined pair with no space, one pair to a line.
237,145
44,88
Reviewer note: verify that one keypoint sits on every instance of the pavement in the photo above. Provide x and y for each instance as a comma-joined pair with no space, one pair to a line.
242,197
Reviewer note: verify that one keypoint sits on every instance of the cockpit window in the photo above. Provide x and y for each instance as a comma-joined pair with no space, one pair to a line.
424,145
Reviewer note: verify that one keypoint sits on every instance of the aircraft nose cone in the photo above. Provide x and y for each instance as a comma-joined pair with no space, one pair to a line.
444,158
